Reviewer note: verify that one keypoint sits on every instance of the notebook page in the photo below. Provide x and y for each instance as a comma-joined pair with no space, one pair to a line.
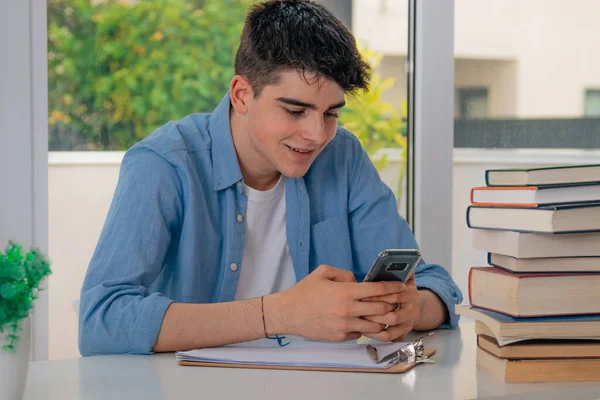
298,353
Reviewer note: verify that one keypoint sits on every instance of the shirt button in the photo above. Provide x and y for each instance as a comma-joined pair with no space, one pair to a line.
240,218
233,267
239,183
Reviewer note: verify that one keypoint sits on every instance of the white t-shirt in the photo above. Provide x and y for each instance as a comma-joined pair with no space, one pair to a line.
266,264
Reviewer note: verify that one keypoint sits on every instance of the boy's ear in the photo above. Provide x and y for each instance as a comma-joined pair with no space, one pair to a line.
240,93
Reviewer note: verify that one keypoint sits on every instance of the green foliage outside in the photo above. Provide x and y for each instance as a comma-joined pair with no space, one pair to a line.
118,70
20,277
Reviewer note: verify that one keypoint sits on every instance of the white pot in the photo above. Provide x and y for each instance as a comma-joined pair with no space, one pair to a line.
14,366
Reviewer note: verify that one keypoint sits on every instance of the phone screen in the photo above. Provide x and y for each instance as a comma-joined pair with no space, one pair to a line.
393,265
397,266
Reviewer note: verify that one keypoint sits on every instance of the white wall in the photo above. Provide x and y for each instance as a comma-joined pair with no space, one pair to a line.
381,25
81,187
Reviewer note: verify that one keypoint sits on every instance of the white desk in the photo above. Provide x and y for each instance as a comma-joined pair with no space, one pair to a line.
453,376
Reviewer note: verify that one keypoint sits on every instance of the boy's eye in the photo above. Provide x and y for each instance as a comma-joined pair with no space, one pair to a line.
298,113
295,113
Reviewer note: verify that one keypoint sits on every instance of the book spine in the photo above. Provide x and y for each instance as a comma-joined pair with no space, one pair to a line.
487,178
475,190
505,205
528,316
468,215
469,286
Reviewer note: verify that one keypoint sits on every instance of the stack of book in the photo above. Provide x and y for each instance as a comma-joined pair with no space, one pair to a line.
537,303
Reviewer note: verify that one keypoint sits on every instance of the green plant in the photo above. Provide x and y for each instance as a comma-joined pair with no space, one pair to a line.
20,278
119,69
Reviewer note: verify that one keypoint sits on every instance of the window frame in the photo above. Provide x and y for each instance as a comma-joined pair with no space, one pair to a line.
24,130
431,127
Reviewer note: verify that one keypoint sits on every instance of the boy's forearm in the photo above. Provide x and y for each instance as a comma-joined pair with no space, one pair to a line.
195,326
433,311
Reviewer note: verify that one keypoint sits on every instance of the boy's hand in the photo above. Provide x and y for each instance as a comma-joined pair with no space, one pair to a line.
327,305
401,320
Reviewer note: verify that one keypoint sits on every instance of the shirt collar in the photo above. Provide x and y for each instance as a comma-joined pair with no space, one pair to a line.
226,169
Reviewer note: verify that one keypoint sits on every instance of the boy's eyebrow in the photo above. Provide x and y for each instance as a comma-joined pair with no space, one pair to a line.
299,103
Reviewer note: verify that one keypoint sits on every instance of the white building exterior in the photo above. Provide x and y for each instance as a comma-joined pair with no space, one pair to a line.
536,58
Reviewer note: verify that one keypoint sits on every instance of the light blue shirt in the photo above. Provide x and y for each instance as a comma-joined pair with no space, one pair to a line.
175,229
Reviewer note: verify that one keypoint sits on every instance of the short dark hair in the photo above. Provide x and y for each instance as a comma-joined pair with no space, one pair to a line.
301,35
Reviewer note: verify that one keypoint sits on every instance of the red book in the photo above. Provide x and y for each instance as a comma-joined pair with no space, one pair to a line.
533,196
534,294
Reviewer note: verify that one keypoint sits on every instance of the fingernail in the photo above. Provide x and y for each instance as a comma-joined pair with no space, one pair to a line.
402,286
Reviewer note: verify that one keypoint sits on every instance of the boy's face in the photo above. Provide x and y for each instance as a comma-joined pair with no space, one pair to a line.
291,122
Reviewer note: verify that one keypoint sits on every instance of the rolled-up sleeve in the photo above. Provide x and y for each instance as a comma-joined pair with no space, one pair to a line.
118,313
435,278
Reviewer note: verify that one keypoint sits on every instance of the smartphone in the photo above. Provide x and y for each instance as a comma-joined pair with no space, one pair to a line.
393,265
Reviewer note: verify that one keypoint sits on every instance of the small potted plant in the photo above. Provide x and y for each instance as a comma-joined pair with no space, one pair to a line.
21,275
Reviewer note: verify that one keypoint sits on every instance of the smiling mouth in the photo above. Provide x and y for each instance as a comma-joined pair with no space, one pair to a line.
301,151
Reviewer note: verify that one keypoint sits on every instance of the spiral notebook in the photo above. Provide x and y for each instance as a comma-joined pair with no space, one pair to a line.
300,354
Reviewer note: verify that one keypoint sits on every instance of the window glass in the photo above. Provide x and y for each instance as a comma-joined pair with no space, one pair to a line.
527,78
